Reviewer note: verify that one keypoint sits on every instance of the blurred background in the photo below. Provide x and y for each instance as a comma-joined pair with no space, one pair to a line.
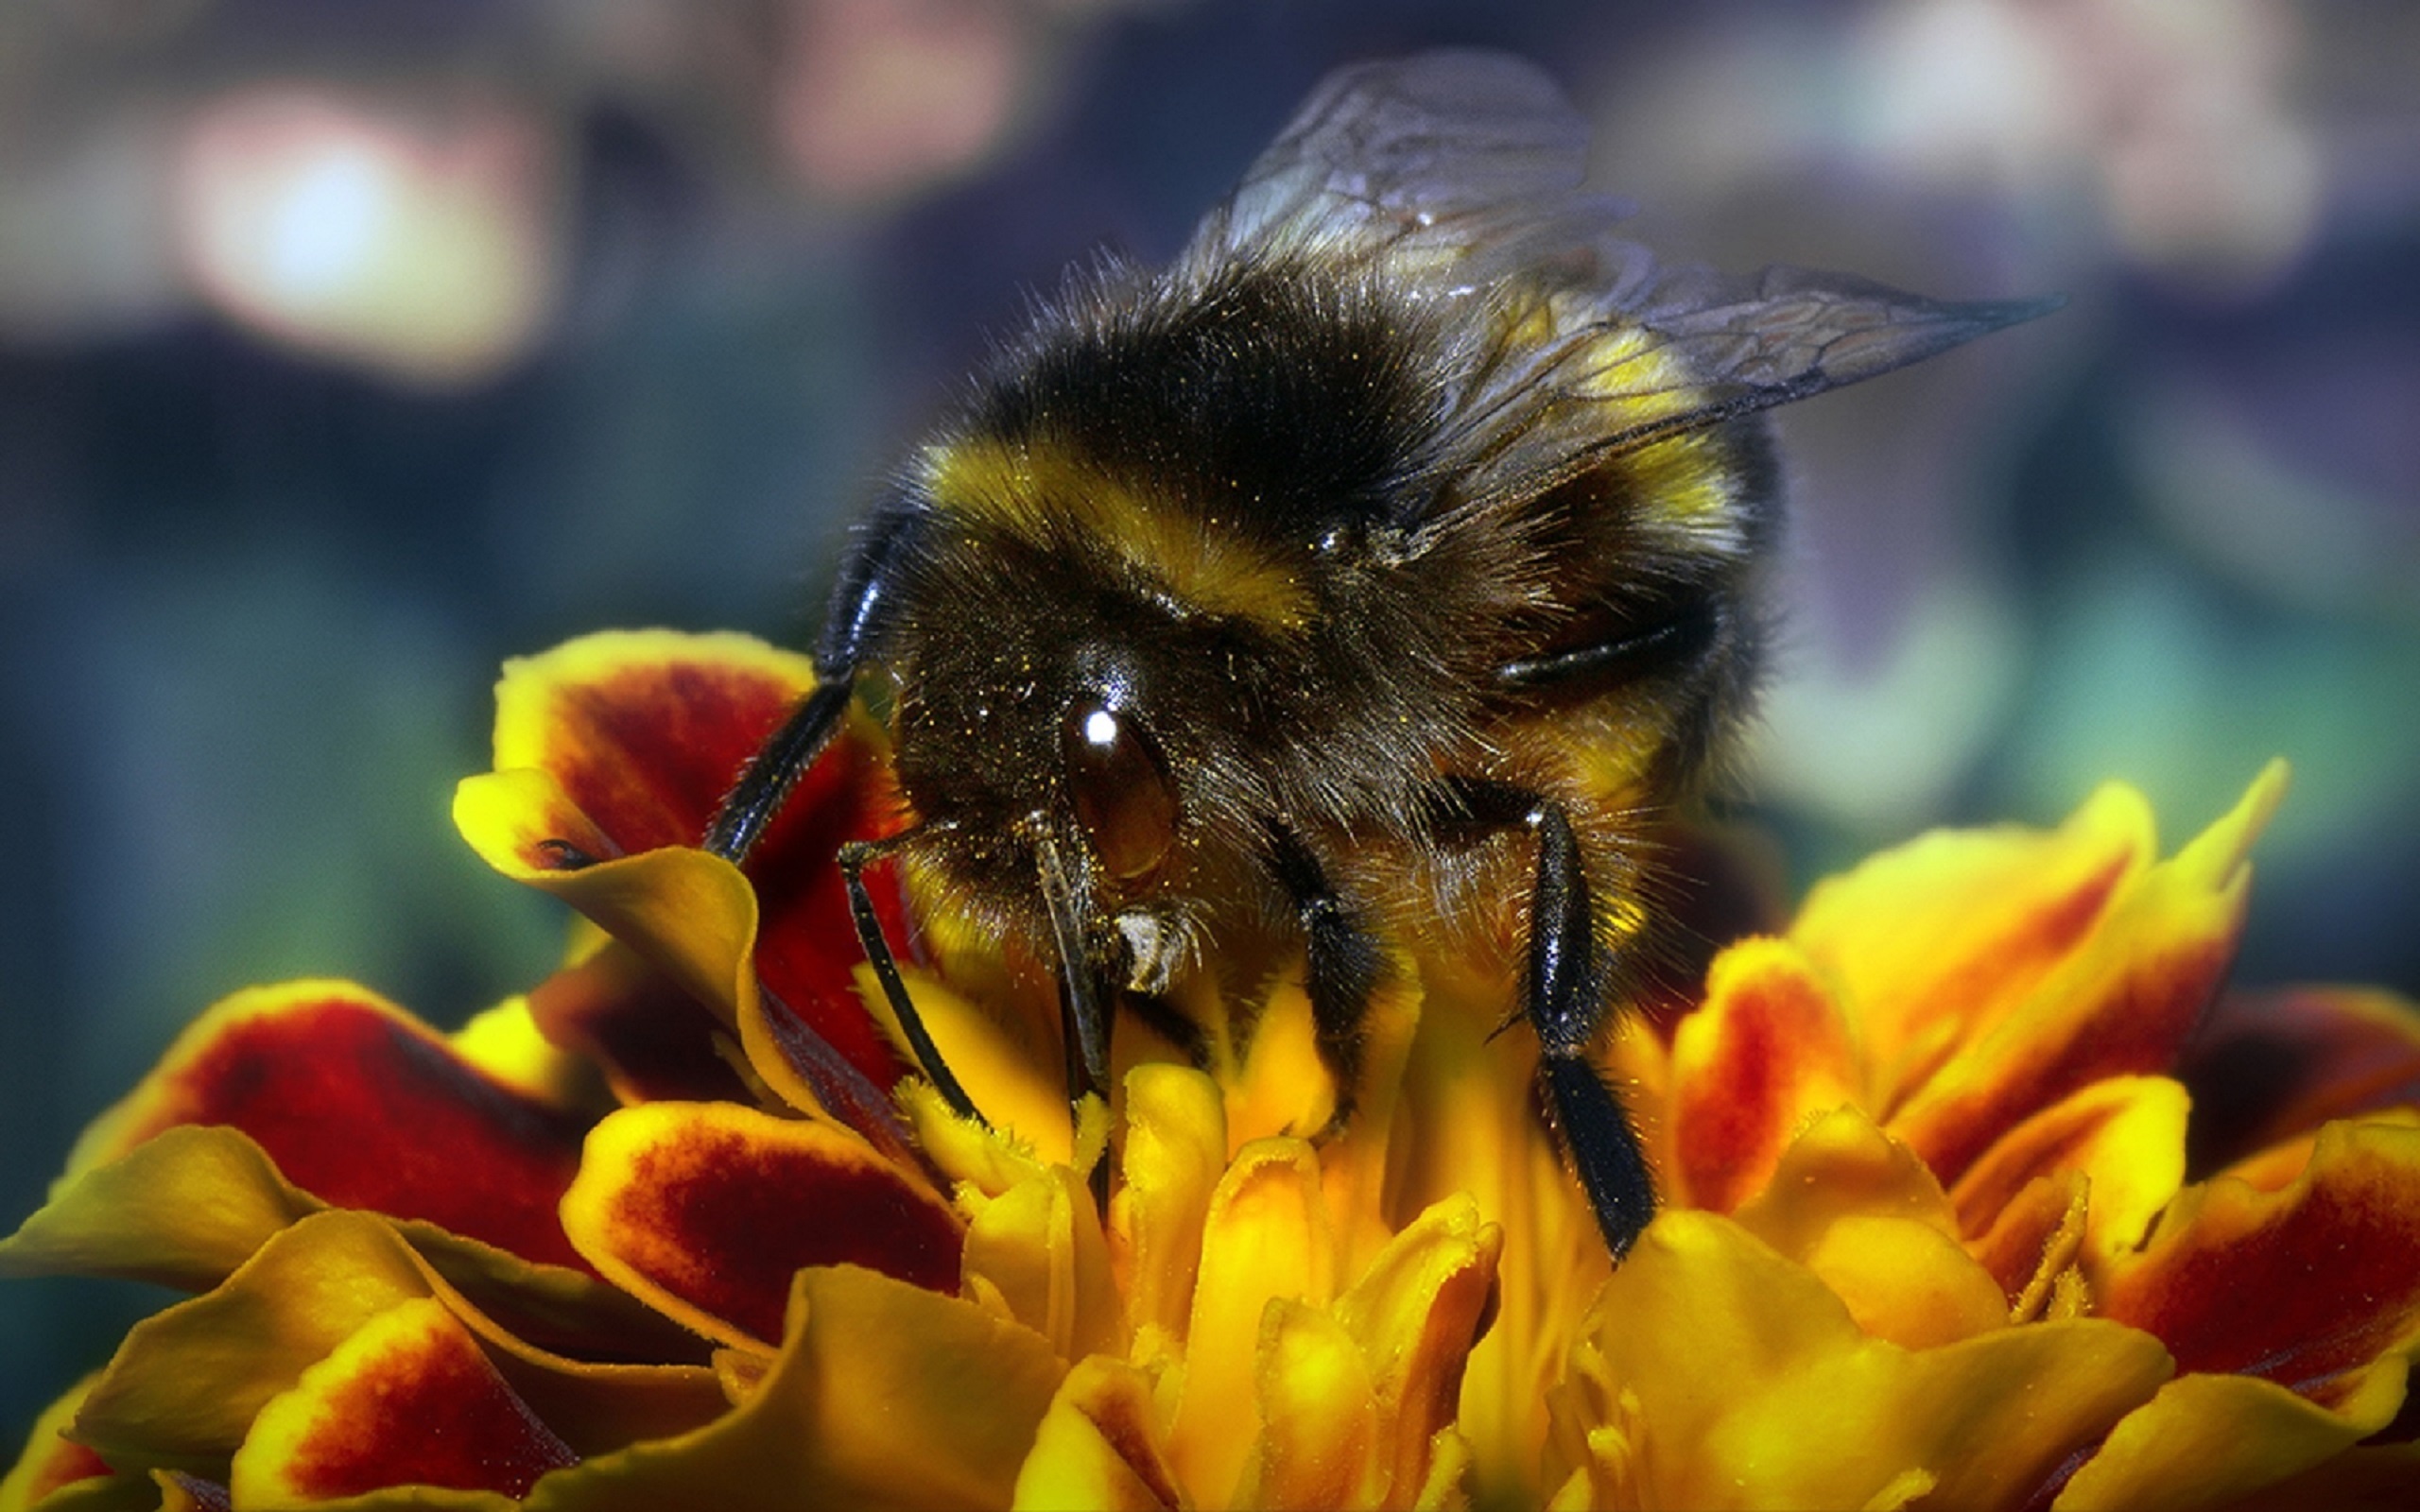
347,349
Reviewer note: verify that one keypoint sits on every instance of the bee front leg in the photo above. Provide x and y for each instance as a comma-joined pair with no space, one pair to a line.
1342,963
1564,993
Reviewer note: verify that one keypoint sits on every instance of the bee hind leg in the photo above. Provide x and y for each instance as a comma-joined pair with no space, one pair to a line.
1565,992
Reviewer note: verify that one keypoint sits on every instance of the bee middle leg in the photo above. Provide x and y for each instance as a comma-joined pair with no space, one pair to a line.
1342,963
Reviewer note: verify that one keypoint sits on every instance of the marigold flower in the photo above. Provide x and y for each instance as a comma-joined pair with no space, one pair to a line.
678,1228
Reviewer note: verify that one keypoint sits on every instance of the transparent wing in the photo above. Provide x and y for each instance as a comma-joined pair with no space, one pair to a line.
1457,175
1750,343
1653,354
1459,151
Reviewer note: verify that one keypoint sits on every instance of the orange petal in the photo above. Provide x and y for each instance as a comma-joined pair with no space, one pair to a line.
408,1398
2126,1135
645,730
51,1460
2330,1259
2268,1066
1767,1052
652,1038
362,1106
2120,1003
705,1210
1098,1446
1941,938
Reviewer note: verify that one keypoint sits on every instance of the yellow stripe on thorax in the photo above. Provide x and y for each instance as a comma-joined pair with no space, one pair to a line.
1038,490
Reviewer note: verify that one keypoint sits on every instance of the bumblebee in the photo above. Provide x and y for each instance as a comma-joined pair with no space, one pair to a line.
1389,562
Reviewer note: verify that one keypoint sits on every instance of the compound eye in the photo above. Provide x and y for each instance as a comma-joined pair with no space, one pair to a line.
1121,791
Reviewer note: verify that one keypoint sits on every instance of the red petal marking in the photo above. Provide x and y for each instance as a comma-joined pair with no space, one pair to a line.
646,737
2269,1066
713,1208
428,1410
646,733
2305,1286
807,947
654,1040
363,1106
1767,1052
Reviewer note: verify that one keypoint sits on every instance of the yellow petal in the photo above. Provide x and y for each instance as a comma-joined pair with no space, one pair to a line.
2330,1257
1768,1051
1319,1443
1176,1151
1863,1214
1098,1449
2125,1134
1941,938
1266,1237
1415,1313
50,1460
1041,1247
1283,1087
2120,1002
689,914
183,1210
408,1399
187,1382
705,1210
1716,1373
1478,1133
885,1395
2207,1439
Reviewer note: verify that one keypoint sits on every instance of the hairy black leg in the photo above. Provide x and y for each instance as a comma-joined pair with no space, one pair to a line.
749,808
1341,967
1565,994
854,857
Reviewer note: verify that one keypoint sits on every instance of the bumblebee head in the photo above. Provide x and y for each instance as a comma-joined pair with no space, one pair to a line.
1050,734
